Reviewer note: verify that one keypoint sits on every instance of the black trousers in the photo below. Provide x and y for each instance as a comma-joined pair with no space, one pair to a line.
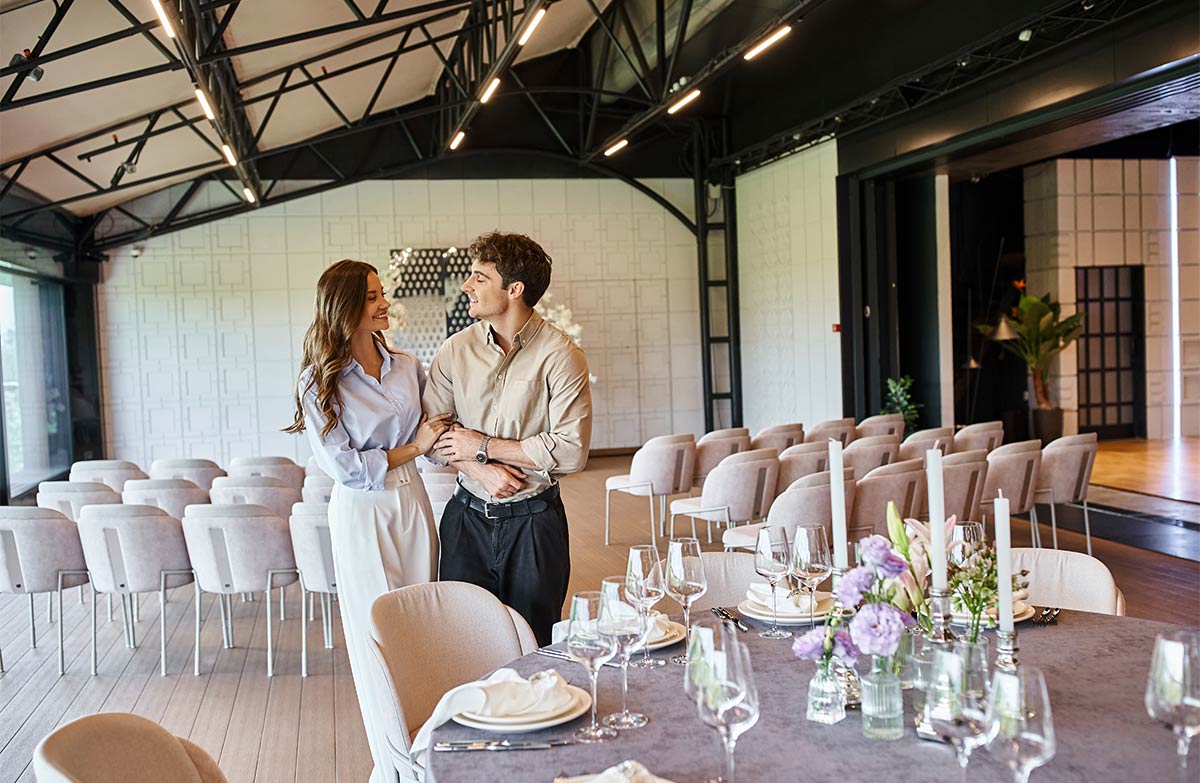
524,560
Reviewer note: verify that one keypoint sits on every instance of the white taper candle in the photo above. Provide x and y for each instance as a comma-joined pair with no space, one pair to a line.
937,517
837,504
1004,569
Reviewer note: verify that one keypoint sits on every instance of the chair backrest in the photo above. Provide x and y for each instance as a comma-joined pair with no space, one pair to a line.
200,472
921,441
266,491
985,435
902,482
837,429
1014,469
964,475
113,472
882,424
313,547
779,437
68,497
233,547
728,575
277,467
317,489
35,544
807,501
745,482
126,547
117,746
1067,467
716,446
801,460
171,495
464,631
866,454
1068,580
668,462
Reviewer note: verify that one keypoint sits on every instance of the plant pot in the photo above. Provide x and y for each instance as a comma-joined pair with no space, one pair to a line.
1047,424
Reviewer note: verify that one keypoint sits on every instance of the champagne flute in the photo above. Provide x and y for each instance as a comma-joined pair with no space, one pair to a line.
811,562
644,581
685,581
588,646
1173,686
966,539
1019,725
773,562
623,619
727,698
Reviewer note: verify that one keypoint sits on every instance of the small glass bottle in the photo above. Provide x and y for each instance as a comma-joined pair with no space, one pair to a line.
825,703
882,701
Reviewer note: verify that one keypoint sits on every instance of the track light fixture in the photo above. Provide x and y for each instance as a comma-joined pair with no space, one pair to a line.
249,194
615,148
1025,36
764,43
229,156
35,73
204,104
162,17
529,28
684,101
458,139
491,88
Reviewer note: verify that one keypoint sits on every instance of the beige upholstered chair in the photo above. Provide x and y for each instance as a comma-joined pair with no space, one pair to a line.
171,495
268,491
281,468
740,489
964,475
317,489
113,472
1064,475
130,550
799,461
806,502
902,482
716,446
311,468
69,497
1069,580
921,441
780,437
837,429
664,466
115,746
985,435
865,454
313,548
200,472
883,424
728,574
1013,468
464,632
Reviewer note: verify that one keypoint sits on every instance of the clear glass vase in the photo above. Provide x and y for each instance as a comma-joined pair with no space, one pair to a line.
902,661
825,704
882,701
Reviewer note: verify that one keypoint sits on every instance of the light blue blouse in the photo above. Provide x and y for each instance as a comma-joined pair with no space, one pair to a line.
374,416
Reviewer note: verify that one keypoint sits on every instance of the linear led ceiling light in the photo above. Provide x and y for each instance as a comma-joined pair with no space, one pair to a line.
249,194
614,149
229,156
684,101
764,43
204,104
1176,367
162,17
491,88
529,28
458,139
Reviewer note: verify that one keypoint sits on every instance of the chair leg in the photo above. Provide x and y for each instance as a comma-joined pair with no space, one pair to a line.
662,515
32,624
162,631
133,612
673,525
224,621
653,540
229,620
109,597
50,608
327,618
282,613
270,639
196,651
1053,522
303,636
1035,533
62,663
137,607
310,607
1087,527
93,631
607,511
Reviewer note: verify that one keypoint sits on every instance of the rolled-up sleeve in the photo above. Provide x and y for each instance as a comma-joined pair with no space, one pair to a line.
563,447
437,392
351,467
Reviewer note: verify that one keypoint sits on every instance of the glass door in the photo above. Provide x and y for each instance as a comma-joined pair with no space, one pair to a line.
1111,366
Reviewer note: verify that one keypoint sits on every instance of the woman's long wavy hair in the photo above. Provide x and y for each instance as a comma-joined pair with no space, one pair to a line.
341,299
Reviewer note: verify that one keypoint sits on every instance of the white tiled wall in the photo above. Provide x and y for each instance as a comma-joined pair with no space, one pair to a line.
201,335
1114,213
788,275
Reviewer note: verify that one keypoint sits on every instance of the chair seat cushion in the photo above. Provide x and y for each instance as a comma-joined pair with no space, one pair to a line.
621,484
694,507
744,537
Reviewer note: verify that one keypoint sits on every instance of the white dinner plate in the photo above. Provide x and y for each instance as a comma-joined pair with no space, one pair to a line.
1021,612
674,635
823,605
580,704
753,612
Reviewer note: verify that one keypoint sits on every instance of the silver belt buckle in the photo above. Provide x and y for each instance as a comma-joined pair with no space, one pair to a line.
486,512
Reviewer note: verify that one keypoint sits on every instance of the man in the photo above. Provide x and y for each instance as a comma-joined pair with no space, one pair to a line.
519,390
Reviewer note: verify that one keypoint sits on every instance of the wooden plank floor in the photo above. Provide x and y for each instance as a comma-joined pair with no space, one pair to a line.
1166,468
289,729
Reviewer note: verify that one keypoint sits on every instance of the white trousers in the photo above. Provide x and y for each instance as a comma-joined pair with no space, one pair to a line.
382,540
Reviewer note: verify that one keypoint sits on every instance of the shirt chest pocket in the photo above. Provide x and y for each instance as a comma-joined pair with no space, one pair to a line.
524,399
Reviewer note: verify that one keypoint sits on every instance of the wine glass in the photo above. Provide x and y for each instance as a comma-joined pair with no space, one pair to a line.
685,581
1019,725
644,581
773,562
966,539
1173,686
586,644
957,698
811,563
726,697
622,618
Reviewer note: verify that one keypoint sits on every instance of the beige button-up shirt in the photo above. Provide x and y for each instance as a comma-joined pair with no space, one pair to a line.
538,393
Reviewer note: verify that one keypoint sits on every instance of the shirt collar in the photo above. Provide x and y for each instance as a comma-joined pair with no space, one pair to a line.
523,335
383,370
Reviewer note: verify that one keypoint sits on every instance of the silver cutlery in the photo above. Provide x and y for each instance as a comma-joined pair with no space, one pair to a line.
1054,615
447,747
725,614
562,656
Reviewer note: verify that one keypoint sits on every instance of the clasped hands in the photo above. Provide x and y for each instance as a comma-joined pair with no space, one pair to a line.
460,445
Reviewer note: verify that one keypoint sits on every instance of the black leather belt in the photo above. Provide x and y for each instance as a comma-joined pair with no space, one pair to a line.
534,505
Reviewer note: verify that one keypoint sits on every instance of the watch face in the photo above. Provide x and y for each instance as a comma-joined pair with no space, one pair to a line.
481,458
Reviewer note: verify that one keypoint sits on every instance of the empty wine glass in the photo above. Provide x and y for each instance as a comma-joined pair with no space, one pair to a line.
644,581
811,563
773,561
726,697
586,644
1019,725
957,698
1173,686
966,539
623,619
685,581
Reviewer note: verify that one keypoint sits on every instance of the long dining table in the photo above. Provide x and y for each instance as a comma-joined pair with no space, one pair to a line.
1095,668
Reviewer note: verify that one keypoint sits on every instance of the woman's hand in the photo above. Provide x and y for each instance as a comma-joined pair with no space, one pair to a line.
429,430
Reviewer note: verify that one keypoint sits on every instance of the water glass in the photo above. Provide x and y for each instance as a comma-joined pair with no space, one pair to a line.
773,562
726,696
622,619
811,561
966,539
644,581
1173,686
586,644
685,581
1018,724
956,698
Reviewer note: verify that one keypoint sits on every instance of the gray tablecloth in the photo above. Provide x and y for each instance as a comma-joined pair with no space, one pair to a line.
1095,668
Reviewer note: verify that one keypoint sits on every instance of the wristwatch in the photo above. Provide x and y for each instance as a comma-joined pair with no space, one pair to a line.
481,456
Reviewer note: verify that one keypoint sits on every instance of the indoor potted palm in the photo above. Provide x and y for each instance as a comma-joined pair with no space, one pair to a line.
1038,334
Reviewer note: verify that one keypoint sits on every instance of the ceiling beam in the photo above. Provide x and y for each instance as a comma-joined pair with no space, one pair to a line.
60,12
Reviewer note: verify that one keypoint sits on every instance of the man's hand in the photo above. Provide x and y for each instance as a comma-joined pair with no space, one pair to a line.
498,480
458,444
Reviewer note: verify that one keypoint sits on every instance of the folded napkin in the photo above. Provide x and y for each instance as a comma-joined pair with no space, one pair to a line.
504,693
625,772
760,593
660,627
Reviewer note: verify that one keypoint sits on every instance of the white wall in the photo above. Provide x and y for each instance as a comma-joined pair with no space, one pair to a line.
788,276
201,335
1116,213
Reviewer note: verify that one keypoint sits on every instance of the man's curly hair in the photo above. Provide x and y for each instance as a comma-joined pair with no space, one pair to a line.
516,257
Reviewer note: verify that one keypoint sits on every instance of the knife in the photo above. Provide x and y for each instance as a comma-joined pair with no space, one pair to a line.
725,614
500,745
562,656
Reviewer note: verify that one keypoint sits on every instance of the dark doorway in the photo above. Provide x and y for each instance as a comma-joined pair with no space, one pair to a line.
1111,366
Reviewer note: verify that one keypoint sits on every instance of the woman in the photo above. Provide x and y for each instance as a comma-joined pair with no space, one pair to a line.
360,403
